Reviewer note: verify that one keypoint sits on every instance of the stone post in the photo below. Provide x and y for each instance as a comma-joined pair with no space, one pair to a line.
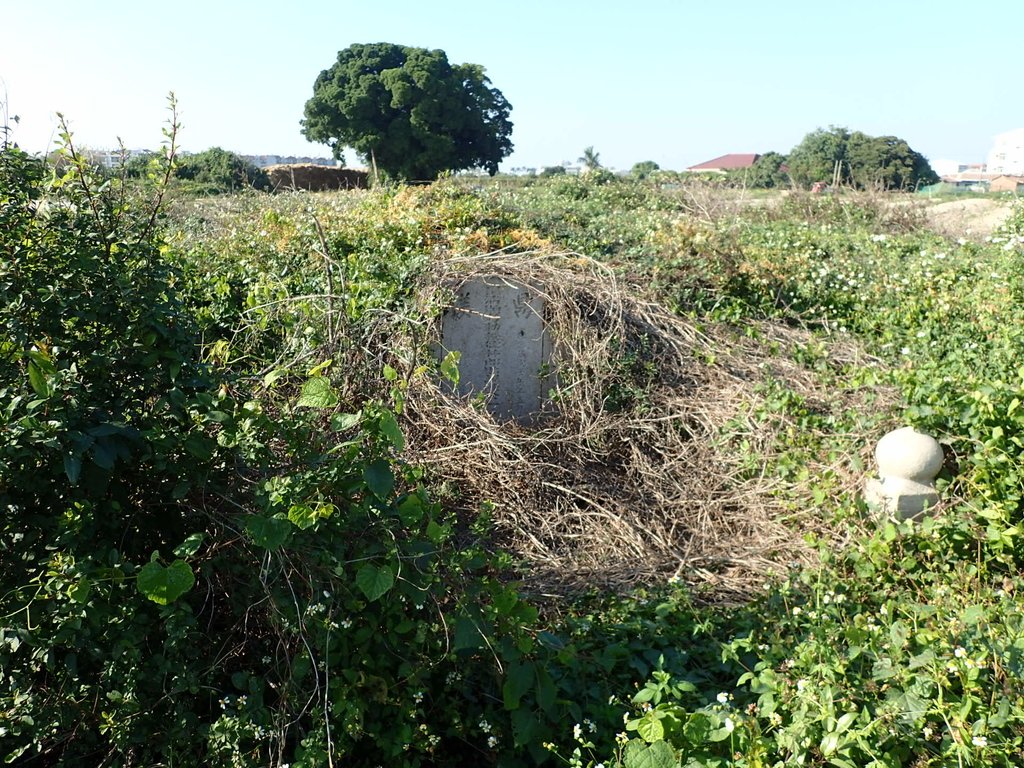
908,462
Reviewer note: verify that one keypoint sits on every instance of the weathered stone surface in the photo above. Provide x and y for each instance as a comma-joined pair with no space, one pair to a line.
908,453
908,462
498,327
899,497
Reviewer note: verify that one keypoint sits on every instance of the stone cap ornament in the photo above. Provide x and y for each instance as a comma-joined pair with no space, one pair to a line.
908,462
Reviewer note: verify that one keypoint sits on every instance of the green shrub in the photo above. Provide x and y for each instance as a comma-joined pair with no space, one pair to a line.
216,171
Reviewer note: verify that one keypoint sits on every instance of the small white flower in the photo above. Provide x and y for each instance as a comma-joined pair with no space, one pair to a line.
723,698
577,732
979,741
492,742
960,652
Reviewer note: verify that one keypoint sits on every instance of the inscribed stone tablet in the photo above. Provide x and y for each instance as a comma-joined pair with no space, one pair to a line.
498,326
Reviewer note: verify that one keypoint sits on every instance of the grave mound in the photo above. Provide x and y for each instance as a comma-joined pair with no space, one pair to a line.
645,459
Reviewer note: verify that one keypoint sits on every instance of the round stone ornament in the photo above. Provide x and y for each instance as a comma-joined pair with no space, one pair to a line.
907,453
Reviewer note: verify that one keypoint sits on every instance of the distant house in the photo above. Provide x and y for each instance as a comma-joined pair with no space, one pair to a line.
976,180
1006,183
1007,153
725,163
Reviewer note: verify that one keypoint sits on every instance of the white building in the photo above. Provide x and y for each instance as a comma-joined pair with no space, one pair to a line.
1007,153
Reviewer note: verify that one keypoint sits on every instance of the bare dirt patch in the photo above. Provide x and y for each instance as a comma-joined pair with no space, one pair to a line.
972,218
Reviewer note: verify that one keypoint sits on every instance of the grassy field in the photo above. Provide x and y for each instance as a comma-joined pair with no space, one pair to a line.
268,536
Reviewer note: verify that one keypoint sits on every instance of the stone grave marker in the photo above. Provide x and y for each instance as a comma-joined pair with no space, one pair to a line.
497,325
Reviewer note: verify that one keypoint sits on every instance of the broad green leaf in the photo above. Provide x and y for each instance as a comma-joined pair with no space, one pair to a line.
390,429
656,755
165,585
190,545
102,455
829,743
79,591
650,728
374,581
268,532
846,721
200,446
450,367
898,634
271,378
518,680
390,373
972,615
340,422
38,380
302,516
317,392
410,510
379,478
524,726
72,467
467,635
546,691
438,533
697,728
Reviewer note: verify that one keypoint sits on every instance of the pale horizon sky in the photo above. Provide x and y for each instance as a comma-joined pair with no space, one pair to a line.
674,82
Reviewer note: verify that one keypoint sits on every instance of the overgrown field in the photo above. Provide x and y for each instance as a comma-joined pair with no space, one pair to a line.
245,524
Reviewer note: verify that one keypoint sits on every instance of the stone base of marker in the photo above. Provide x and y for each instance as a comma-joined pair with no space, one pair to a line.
898,497
908,462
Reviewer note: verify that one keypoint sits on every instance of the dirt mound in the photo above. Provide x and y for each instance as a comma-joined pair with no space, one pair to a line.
671,482
971,218
315,178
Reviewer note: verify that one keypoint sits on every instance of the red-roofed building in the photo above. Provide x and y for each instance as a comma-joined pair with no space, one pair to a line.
725,163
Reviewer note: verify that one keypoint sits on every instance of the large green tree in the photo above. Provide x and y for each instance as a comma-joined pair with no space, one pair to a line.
767,172
886,162
815,158
409,111
859,160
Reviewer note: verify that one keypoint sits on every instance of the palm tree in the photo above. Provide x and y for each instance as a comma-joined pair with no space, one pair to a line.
591,160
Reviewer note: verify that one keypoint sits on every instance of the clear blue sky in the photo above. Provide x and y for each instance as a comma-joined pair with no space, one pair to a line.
677,82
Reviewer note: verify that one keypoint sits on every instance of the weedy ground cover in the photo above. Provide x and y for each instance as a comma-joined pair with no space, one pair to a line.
230,535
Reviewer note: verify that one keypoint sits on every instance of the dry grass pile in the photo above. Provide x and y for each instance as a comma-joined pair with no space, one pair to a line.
672,484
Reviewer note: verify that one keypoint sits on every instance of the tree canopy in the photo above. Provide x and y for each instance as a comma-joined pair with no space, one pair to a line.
216,170
643,169
863,161
410,111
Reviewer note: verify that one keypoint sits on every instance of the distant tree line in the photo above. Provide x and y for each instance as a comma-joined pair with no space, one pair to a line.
837,156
